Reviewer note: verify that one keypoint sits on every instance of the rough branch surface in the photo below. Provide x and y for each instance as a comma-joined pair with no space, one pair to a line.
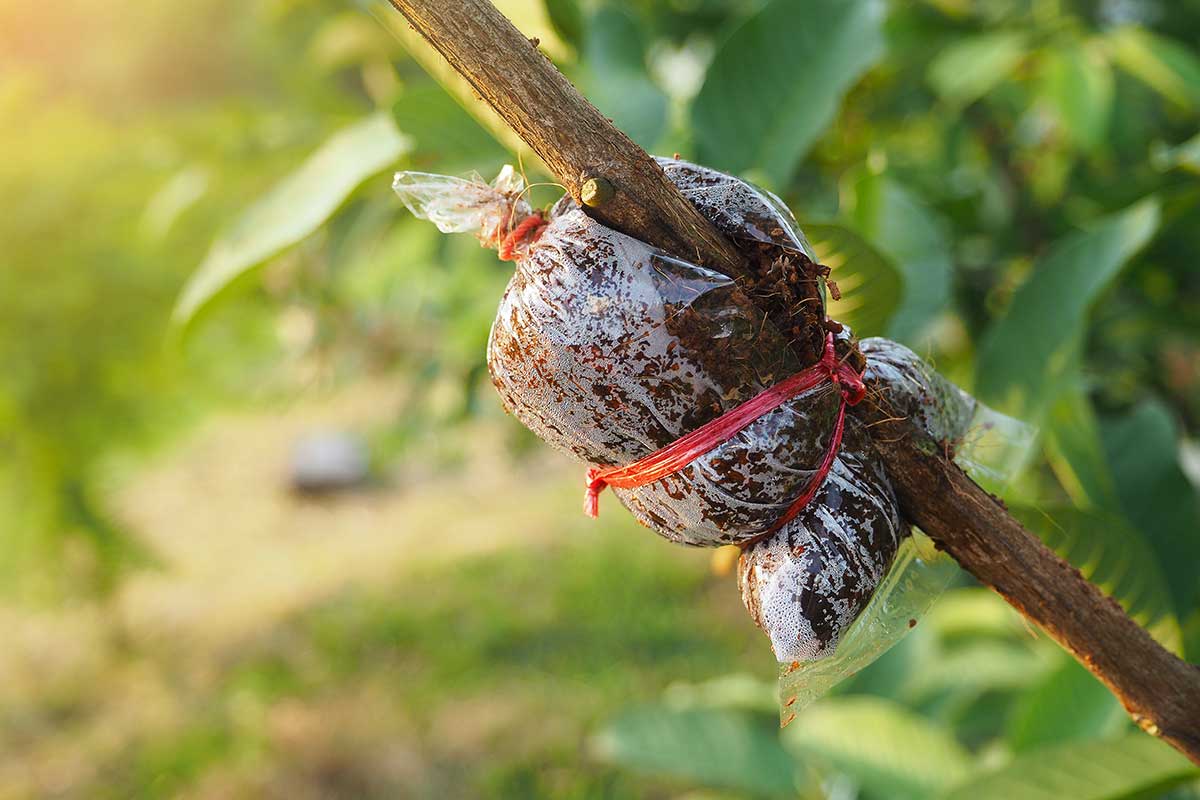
575,140
1160,691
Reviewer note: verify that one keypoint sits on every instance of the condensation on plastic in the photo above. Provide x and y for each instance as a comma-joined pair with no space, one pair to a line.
917,578
740,209
805,584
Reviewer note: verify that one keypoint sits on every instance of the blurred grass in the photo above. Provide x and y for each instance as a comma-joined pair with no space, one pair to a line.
373,653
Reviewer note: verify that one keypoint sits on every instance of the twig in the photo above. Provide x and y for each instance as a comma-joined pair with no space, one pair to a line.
1160,691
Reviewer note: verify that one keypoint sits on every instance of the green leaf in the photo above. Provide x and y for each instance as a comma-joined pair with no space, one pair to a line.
980,667
615,77
348,39
1078,84
1115,557
1073,448
870,284
971,613
1069,704
1111,544
566,18
177,195
736,691
776,83
909,233
1166,66
1156,495
1026,351
718,748
883,746
970,68
1185,156
1135,765
294,208
444,137
1191,635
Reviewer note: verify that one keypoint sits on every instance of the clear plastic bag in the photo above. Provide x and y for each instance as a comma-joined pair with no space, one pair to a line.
995,448
990,446
466,205
916,579
609,349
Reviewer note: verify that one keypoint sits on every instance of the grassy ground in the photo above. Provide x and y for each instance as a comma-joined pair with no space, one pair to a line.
460,634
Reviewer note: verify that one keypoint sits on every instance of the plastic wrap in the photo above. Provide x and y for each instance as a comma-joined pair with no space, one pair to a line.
805,595
917,577
989,445
466,205
609,350
739,209
918,391
806,583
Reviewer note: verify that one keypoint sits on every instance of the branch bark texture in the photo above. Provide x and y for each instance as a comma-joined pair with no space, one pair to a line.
1160,691
575,140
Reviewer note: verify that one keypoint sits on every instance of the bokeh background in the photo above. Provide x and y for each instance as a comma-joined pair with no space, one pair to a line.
265,532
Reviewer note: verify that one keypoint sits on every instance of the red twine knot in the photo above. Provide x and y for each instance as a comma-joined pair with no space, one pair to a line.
677,455
525,233
595,485
845,376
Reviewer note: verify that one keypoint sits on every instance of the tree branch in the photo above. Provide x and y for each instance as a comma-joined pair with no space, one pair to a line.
1160,691
575,140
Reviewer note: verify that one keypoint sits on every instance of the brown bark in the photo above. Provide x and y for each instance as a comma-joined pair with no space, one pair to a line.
1160,691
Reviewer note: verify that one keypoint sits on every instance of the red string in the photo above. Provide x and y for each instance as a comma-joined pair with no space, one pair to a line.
526,232
685,449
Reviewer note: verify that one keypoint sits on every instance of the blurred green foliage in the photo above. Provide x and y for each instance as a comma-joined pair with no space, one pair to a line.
1008,186
125,148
